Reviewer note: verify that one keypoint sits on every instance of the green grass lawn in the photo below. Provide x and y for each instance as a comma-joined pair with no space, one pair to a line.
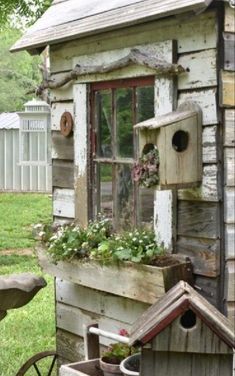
29,329
17,214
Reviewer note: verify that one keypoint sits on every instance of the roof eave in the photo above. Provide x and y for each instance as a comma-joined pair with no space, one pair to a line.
28,42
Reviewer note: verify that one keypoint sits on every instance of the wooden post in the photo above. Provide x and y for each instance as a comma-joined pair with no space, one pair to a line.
91,343
80,154
165,201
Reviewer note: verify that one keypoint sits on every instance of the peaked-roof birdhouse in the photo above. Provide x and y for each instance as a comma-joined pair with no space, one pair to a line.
184,335
177,136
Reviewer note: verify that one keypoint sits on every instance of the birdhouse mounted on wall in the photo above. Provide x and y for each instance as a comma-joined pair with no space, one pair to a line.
182,334
177,136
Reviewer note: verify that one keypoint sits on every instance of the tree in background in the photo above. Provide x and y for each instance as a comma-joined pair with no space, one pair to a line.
18,73
30,10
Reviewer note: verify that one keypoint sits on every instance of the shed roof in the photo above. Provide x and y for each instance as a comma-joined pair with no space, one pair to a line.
9,120
71,19
174,303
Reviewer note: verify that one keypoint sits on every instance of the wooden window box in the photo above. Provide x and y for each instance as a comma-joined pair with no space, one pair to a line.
134,281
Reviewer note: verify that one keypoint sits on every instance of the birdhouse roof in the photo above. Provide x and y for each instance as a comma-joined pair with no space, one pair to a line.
71,19
162,121
173,304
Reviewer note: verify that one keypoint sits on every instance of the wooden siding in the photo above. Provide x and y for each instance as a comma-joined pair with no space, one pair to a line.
152,32
78,305
227,100
63,203
172,364
227,90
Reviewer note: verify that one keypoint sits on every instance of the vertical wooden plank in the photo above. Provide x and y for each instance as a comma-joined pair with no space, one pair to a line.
229,124
165,222
229,24
229,205
227,89
80,153
165,201
147,362
229,51
229,234
230,281
91,343
229,167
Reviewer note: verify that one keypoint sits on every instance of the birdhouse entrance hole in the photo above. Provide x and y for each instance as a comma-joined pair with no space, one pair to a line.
180,141
188,319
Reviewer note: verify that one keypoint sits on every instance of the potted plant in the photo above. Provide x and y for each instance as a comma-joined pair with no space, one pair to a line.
115,354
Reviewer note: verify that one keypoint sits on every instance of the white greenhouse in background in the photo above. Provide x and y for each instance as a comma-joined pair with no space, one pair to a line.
25,164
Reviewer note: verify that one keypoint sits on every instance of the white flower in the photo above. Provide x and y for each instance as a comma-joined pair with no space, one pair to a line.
38,225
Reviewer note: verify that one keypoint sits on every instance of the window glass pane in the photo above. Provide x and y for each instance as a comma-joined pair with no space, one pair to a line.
124,122
103,101
106,190
125,198
146,203
145,103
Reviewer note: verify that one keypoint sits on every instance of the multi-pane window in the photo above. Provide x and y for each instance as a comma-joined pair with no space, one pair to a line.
116,107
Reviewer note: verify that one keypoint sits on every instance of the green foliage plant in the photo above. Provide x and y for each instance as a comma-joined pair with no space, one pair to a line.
116,352
98,242
77,241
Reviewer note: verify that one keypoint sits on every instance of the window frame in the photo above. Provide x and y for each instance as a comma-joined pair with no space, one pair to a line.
112,85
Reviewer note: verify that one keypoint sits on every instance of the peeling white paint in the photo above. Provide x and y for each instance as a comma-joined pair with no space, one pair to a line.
163,209
80,129
164,225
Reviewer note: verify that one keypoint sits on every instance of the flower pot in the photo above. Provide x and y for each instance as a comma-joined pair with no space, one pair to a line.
110,369
131,365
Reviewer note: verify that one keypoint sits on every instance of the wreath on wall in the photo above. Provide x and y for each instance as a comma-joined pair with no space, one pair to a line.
146,170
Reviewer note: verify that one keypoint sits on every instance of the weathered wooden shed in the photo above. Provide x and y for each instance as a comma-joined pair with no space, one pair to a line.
115,64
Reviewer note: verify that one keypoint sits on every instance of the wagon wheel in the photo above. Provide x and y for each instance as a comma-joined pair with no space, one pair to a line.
33,364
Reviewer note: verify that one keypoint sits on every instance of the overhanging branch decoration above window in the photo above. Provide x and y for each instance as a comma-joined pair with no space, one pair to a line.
33,137
134,57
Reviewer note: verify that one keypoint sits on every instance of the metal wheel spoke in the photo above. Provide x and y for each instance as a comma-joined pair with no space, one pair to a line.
32,363
36,369
52,366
